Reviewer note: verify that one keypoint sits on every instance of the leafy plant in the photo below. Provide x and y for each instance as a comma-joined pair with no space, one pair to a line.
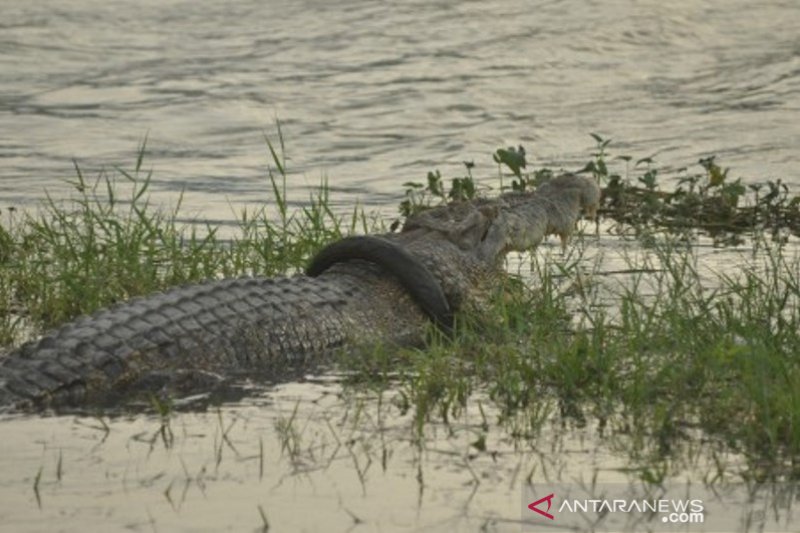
513,158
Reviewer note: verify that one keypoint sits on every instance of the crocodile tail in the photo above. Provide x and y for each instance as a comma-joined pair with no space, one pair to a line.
242,324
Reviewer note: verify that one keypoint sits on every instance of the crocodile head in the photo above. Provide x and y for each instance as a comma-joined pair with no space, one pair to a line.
490,228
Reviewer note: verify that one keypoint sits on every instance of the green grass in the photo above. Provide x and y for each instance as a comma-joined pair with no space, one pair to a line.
669,361
108,243
658,373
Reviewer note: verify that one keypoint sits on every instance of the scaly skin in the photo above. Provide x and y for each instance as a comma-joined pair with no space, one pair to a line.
263,325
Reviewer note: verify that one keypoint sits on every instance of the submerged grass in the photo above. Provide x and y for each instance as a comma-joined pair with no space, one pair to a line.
674,358
658,372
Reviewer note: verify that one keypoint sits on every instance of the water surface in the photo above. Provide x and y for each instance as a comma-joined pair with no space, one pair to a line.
372,94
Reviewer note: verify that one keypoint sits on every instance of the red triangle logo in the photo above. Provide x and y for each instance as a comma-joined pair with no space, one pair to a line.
549,499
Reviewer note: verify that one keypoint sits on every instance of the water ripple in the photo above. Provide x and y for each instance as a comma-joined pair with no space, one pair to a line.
372,94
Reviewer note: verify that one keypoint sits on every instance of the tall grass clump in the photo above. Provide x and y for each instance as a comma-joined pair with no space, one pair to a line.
108,242
676,361
719,356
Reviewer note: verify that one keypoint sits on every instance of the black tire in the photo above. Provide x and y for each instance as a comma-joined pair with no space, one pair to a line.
397,261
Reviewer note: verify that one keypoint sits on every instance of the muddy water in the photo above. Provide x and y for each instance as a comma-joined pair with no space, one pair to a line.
306,457
303,455
372,94
297,457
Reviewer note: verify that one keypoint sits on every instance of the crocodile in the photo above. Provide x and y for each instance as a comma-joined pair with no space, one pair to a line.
360,290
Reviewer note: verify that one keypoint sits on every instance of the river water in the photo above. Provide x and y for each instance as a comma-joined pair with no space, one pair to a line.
369,95
372,94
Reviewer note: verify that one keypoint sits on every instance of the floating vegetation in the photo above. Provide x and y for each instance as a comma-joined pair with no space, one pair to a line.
639,198
705,201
